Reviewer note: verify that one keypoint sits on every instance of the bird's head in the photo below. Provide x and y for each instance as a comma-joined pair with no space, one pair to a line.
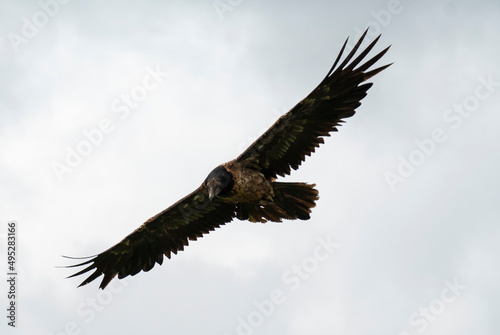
218,182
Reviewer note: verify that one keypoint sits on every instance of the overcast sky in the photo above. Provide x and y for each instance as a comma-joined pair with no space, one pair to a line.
111,112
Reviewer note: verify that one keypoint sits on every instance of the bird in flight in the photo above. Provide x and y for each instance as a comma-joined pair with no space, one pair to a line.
246,187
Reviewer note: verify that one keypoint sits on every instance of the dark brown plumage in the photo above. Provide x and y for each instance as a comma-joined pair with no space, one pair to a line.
246,188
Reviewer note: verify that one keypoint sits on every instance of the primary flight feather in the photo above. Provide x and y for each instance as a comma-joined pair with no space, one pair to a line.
246,187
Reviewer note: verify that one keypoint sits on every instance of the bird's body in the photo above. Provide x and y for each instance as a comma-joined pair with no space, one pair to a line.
246,188
257,198
250,185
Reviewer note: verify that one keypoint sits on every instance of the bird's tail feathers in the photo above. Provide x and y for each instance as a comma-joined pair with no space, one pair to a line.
291,201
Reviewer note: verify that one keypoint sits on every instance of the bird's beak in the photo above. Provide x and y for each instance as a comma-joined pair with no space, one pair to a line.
214,189
211,195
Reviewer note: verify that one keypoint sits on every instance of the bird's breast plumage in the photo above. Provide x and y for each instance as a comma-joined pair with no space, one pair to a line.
250,185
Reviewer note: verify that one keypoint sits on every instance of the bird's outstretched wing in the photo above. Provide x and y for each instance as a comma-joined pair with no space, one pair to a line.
163,234
298,132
